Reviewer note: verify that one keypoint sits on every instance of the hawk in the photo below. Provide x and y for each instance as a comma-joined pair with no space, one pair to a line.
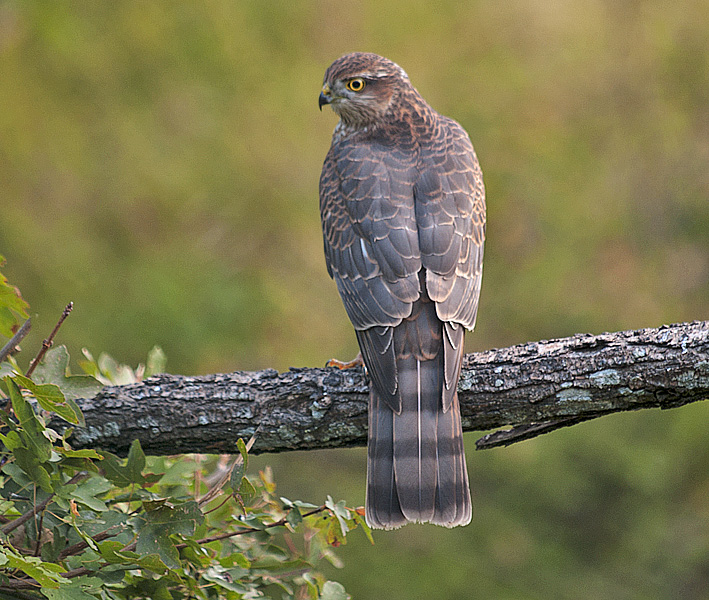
402,204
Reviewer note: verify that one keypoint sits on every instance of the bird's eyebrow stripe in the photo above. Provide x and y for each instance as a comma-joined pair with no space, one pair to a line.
371,76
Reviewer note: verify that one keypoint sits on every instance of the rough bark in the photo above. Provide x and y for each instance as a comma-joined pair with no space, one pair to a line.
535,388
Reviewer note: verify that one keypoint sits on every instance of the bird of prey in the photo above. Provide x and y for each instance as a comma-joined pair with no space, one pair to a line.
402,204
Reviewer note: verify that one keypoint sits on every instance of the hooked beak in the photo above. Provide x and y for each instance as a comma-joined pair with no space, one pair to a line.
325,96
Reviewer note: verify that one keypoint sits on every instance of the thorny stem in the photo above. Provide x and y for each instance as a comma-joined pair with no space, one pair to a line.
47,344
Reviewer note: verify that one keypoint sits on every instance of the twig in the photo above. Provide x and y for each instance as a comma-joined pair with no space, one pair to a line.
216,488
47,344
31,583
79,546
11,346
130,547
38,544
13,593
21,520
222,503
507,437
25,584
223,536
78,571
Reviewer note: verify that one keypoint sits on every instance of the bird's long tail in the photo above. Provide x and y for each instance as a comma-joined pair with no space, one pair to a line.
416,467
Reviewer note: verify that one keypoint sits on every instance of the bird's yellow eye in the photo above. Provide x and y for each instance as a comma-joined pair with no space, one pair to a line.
356,84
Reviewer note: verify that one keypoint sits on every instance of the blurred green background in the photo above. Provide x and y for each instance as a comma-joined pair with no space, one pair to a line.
159,164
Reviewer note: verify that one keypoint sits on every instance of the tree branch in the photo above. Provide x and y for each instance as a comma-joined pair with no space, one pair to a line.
535,388
14,342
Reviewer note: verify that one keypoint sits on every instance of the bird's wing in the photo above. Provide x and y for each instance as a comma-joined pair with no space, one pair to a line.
371,246
450,213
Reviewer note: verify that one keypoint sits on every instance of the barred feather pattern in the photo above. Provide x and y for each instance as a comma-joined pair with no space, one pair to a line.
402,203
416,467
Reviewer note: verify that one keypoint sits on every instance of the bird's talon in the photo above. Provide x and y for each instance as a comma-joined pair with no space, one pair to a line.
357,362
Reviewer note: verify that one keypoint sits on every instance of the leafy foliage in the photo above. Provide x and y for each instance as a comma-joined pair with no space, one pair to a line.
12,306
163,171
85,524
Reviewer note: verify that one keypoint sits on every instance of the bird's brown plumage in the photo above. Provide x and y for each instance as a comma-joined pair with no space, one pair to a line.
402,203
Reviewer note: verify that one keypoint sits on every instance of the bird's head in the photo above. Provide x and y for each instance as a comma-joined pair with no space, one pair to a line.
360,87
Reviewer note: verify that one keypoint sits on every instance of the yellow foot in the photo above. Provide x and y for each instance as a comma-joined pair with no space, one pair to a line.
357,362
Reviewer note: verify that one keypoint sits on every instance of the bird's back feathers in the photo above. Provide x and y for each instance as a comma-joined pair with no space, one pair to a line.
403,212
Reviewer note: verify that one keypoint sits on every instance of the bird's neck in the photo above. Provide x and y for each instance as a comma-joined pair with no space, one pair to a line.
408,116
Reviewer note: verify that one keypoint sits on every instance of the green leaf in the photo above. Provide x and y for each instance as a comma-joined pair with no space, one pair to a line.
89,366
152,562
7,322
185,518
152,540
132,495
241,561
54,368
112,575
360,520
311,582
29,423
87,491
156,363
114,372
12,305
6,506
235,560
340,512
6,368
83,453
136,462
51,399
333,591
246,490
157,524
106,370
305,505
250,521
82,588
294,517
223,579
240,466
179,472
155,589
115,471
50,550
36,449
11,440
111,551
46,574
17,475
243,452
333,534
30,464
128,474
